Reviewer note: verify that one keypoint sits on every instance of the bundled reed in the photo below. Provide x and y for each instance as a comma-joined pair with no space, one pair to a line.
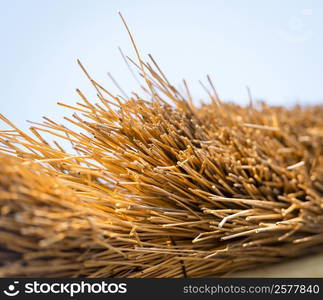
160,187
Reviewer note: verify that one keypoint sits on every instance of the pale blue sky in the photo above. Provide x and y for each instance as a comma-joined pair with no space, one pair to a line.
275,47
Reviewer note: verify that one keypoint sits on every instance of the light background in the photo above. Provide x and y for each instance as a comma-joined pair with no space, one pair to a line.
275,47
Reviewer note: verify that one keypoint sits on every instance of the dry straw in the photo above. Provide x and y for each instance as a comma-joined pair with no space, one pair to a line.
160,187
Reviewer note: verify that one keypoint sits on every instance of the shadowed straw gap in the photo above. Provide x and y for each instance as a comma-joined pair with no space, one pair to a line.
160,187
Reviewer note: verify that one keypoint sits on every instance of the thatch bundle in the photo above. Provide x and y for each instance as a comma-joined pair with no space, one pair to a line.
160,187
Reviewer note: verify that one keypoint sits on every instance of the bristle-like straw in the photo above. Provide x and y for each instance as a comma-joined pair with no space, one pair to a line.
159,187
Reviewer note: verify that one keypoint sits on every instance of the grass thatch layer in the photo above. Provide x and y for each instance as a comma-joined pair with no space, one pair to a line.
161,190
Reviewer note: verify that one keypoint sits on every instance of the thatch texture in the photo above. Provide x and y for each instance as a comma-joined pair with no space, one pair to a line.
160,187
